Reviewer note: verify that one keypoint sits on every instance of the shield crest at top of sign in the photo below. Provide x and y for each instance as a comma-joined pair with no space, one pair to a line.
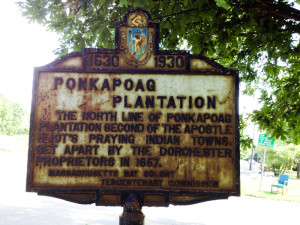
137,34
137,42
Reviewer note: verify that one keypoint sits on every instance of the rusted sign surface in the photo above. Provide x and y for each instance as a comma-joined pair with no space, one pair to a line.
163,124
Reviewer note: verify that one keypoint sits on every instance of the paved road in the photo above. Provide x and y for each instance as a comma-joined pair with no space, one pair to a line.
20,208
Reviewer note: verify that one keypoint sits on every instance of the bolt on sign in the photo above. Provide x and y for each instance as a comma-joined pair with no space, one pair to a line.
159,123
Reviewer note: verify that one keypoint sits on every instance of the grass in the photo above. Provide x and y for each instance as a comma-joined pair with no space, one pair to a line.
251,187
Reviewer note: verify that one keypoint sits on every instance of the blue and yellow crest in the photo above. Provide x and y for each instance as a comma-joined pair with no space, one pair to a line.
136,41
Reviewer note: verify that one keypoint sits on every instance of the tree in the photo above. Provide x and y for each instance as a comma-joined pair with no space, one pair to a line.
282,156
13,117
260,38
245,140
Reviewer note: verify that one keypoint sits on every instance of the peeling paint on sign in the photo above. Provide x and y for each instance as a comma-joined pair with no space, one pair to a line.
106,123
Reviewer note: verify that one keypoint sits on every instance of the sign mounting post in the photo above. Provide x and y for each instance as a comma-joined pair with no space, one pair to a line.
106,123
266,141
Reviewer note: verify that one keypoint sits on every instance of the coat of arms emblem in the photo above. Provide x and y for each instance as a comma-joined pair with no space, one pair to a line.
136,42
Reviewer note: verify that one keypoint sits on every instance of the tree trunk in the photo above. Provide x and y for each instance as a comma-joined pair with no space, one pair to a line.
298,171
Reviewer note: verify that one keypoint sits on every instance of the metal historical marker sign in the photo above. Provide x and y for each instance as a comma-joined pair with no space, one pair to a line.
162,124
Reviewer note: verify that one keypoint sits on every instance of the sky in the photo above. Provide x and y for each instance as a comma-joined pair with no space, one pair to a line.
23,47
27,45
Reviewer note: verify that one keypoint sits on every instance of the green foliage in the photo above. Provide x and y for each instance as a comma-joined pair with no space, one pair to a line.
280,113
259,153
245,140
277,161
222,3
260,38
283,156
12,118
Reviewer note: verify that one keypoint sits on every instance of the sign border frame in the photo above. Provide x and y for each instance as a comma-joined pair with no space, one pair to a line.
75,195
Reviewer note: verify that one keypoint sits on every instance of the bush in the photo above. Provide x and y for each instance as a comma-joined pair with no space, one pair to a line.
13,118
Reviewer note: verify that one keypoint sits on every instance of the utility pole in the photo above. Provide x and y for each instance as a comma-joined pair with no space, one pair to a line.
252,149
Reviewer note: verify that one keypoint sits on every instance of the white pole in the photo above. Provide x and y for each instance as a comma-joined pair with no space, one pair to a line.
262,167
252,149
